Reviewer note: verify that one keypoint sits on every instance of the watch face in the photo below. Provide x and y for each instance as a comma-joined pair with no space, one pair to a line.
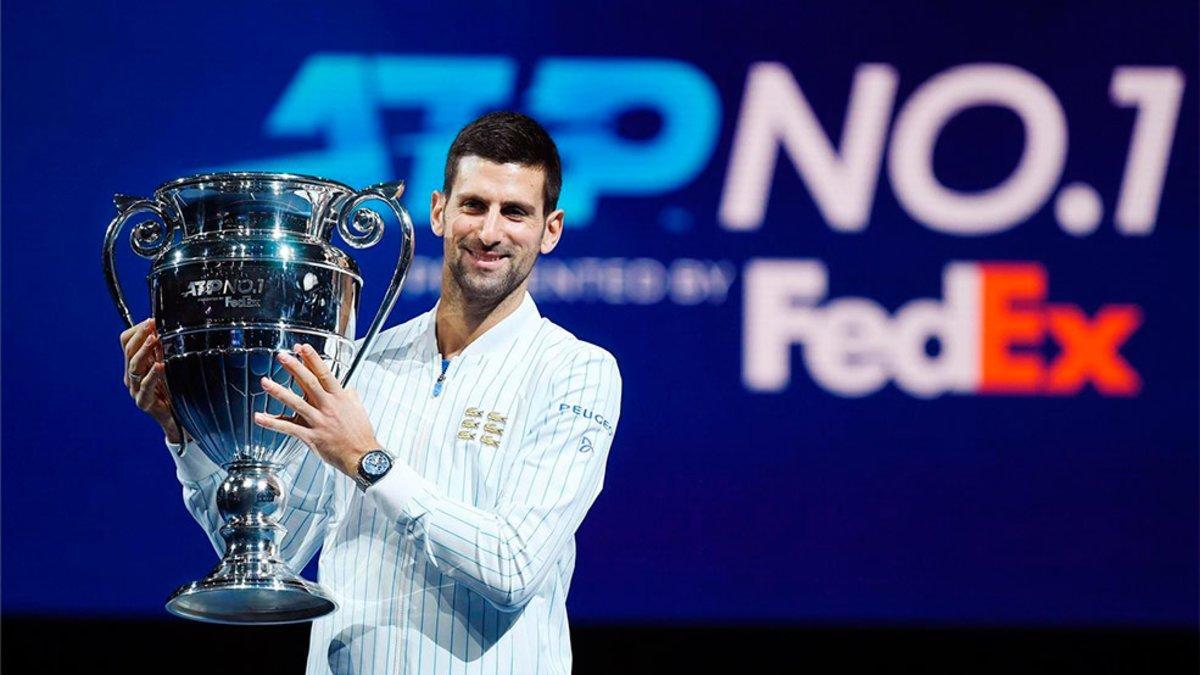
376,463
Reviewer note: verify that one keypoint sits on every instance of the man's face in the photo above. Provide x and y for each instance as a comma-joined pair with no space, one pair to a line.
493,227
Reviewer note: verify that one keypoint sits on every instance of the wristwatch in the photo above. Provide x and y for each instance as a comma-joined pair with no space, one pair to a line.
372,466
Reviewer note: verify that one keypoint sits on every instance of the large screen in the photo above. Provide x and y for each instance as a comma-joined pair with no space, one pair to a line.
904,298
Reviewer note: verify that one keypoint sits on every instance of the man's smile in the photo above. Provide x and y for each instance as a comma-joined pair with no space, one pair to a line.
485,260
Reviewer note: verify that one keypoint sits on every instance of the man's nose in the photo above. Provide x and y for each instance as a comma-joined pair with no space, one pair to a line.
489,233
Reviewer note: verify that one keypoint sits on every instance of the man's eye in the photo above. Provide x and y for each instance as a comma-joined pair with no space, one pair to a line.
517,213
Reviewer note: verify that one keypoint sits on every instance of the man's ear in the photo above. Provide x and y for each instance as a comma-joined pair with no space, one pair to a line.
437,213
554,228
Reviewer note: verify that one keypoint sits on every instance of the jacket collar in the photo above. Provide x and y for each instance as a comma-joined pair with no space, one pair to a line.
523,317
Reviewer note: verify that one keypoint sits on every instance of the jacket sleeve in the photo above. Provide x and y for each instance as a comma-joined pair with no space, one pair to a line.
306,511
506,553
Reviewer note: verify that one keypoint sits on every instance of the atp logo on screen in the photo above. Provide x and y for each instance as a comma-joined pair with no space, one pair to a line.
343,100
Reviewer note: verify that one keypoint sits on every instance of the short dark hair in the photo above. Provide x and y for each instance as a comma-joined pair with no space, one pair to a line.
504,137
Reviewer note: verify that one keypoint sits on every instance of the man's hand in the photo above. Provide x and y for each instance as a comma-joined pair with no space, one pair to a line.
330,419
145,376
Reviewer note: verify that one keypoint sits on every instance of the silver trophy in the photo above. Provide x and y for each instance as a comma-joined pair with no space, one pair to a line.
253,274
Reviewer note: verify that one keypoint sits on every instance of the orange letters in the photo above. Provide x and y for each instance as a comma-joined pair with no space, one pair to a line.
1016,321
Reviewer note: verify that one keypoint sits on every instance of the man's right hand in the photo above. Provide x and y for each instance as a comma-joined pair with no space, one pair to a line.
145,378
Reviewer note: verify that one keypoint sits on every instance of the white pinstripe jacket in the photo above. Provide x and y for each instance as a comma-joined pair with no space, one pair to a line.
460,559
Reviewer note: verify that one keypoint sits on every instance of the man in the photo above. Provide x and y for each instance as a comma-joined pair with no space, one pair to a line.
445,488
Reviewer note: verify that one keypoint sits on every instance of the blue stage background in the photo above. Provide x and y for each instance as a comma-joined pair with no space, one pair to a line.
723,502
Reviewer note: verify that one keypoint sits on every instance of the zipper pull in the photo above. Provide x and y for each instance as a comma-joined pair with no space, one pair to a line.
437,386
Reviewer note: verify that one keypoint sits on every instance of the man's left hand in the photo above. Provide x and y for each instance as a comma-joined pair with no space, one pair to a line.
331,419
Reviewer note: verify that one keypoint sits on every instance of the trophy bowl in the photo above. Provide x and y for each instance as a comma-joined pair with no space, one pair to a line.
253,273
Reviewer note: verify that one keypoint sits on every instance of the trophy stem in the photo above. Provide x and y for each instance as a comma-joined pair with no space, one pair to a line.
252,584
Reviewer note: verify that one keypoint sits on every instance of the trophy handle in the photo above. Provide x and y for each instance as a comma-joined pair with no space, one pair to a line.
362,228
148,239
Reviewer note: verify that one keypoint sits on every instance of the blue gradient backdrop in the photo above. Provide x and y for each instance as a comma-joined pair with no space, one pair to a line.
721,504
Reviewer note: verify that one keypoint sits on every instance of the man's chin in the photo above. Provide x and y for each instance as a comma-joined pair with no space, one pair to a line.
484,286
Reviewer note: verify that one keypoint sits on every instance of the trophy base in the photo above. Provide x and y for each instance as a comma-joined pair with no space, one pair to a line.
228,597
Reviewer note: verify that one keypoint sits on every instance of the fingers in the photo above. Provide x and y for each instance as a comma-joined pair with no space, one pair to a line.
281,425
133,331
319,368
128,332
289,398
148,392
311,372
146,354
308,381
164,394
136,339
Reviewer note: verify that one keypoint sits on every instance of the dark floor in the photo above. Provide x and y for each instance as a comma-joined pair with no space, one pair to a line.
128,647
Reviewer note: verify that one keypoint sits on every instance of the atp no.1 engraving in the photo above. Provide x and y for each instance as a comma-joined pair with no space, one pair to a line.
235,292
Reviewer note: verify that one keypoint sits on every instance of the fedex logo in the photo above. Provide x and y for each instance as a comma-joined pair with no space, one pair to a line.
991,329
